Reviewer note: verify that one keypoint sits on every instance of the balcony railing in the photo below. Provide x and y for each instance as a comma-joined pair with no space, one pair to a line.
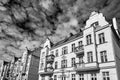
47,71
86,67
23,74
79,50
50,58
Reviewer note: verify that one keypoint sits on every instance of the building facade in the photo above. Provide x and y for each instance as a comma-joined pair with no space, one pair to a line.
9,69
4,71
92,54
28,69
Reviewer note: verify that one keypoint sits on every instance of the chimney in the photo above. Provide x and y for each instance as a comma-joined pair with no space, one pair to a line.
80,30
71,34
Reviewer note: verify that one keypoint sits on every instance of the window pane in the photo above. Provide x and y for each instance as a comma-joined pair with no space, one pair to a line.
90,56
101,38
104,56
89,41
57,53
73,47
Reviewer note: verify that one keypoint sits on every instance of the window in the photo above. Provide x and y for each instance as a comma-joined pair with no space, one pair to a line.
55,77
56,53
95,24
63,63
80,43
63,77
104,56
65,50
73,77
81,60
42,65
43,78
89,40
81,76
73,62
106,76
56,63
101,38
90,57
73,47
93,76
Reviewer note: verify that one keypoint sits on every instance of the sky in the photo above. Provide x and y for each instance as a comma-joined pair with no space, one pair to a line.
27,23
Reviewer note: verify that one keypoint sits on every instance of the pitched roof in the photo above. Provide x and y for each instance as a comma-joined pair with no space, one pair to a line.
66,40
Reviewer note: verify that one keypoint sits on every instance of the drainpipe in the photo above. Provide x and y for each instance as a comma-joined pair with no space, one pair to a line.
95,44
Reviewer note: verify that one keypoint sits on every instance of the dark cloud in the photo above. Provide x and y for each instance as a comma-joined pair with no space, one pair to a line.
26,23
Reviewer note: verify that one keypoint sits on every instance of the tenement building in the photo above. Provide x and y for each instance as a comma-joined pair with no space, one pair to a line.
92,54
28,70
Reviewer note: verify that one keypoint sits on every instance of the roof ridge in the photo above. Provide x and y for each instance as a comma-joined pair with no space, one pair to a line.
67,39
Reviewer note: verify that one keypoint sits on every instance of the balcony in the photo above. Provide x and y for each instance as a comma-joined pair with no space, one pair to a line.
79,50
47,71
50,58
23,74
86,67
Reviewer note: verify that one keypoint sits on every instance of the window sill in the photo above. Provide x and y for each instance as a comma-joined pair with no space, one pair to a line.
102,43
64,54
88,44
90,62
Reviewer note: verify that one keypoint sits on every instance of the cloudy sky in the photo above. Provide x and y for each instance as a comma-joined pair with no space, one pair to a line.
26,23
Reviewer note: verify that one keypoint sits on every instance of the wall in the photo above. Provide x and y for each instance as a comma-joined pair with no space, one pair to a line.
33,69
116,45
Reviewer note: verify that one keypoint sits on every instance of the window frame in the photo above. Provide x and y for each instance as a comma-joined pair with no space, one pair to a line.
80,43
89,39
65,50
64,64
73,47
101,38
90,57
63,77
56,52
95,24
81,76
73,62
55,77
73,77
56,65
93,76
106,75
103,56
43,78
81,61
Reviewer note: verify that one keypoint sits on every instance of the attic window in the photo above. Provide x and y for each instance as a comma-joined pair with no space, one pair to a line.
46,46
95,24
